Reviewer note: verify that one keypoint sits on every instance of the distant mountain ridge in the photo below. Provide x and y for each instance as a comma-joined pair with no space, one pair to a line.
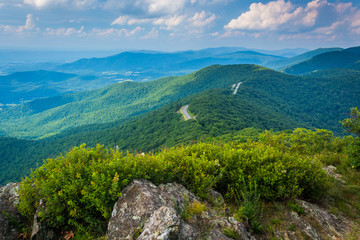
161,61
345,59
280,64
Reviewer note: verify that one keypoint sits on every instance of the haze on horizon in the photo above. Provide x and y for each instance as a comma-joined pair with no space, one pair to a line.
184,24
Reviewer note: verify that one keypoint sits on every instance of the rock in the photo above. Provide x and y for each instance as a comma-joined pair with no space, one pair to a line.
331,172
9,216
316,223
332,226
155,212
305,227
163,224
41,230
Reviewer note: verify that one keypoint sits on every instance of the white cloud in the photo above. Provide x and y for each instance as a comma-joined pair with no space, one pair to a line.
201,19
317,17
113,32
198,20
122,20
164,6
28,27
170,22
66,32
167,22
153,8
153,34
265,16
78,4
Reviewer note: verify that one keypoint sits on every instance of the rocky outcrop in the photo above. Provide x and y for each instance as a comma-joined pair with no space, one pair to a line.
331,172
40,230
9,216
315,223
332,226
145,211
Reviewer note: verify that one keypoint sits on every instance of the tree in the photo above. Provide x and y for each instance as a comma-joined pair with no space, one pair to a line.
352,124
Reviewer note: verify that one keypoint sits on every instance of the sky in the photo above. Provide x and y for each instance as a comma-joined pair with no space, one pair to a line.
172,25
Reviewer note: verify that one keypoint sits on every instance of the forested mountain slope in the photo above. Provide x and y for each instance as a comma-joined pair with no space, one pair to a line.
345,59
42,117
265,100
283,63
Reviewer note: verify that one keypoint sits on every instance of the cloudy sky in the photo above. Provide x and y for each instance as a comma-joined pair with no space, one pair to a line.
178,24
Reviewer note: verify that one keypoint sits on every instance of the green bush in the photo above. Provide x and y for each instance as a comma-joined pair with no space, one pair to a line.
81,188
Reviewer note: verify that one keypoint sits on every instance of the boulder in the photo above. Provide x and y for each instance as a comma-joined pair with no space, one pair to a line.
10,221
145,211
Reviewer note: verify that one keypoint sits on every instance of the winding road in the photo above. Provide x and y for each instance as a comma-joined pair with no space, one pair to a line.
237,87
185,113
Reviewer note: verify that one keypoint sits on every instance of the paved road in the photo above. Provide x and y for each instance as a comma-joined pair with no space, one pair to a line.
186,114
237,87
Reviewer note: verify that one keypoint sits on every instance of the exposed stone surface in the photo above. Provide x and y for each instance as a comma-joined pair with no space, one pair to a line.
331,171
164,223
9,215
40,230
156,210
316,223
332,226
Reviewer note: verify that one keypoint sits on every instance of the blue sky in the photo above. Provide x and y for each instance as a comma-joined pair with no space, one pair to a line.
172,25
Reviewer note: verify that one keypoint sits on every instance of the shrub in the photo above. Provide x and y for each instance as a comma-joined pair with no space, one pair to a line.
81,187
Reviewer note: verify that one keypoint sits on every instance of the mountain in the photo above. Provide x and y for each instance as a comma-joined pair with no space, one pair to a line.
286,52
283,63
265,100
49,116
344,59
150,65
26,86
45,117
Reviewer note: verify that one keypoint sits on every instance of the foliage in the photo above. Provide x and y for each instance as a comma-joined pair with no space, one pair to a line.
196,208
296,208
231,233
352,124
80,188
250,205
122,114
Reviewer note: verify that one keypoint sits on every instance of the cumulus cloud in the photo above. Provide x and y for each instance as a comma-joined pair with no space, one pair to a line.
284,16
29,26
201,19
198,20
166,22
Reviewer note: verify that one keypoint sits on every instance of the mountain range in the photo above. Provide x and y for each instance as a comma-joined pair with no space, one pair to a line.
144,116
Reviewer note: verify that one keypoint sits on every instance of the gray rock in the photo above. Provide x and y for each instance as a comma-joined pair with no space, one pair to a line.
41,230
305,227
156,211
331,172
163,224
9,216
332,226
